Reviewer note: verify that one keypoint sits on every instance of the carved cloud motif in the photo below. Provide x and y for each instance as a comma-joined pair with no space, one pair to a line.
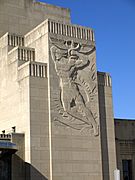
76,72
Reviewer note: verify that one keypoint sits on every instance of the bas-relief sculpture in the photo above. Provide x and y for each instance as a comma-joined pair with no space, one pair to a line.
75,68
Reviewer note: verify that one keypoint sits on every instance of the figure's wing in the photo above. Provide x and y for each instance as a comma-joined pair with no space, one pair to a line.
57,53
56,44
86,77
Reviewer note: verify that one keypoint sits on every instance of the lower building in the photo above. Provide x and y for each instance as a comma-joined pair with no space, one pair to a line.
125,148
11,154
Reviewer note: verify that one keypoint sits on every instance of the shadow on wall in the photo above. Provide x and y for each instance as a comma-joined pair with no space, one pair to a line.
5,167
32,173
21,170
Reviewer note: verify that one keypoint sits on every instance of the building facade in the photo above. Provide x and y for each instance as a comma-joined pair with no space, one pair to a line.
125,147
54,104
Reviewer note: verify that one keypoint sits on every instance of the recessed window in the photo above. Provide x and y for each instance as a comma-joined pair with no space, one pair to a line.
127,169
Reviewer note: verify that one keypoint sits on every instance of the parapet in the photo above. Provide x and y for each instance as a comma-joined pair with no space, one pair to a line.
60,29
104,79
6,146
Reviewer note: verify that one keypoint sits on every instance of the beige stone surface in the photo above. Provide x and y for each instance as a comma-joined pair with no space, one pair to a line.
82,141
21,16
107,126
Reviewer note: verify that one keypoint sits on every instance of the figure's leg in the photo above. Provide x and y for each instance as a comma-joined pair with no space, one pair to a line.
65,99
87,113
91,118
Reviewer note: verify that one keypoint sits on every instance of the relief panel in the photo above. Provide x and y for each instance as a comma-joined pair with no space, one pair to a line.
74,90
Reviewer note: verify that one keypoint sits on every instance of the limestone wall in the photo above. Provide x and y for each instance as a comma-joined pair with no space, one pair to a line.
21,16
23,89
75,137
107,126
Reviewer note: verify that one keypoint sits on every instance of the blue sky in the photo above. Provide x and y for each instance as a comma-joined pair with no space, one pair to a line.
114,25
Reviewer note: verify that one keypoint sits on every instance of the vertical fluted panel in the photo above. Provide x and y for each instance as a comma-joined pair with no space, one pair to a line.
15,40
38,70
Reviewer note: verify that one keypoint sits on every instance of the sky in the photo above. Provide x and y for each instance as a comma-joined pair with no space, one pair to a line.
114,24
